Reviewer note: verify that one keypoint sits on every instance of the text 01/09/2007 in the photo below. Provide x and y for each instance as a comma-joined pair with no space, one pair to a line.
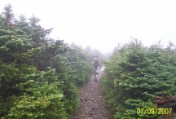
141,111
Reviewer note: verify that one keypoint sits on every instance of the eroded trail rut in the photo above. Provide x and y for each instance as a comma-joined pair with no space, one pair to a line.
92,104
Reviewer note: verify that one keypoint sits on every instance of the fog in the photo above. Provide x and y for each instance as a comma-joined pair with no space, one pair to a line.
102,24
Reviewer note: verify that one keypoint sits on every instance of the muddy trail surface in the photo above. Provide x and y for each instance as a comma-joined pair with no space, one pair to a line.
92,104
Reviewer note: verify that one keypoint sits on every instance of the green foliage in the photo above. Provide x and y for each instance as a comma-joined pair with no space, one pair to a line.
78,59
44,102
39,76
135,75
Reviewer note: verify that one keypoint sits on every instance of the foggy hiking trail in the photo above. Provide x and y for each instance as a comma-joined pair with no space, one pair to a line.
91,102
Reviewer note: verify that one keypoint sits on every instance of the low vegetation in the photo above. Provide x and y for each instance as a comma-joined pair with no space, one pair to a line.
135,75
39,76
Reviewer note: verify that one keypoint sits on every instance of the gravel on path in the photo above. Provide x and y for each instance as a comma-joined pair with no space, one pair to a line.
91,102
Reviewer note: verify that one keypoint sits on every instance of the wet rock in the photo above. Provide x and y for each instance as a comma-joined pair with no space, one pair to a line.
81,100
85,99
90,113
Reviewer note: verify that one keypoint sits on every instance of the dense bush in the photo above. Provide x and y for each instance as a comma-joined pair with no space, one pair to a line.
39,76
135,75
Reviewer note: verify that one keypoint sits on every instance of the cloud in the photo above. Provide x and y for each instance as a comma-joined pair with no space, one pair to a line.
102,24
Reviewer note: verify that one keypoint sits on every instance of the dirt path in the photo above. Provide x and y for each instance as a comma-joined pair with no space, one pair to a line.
92,104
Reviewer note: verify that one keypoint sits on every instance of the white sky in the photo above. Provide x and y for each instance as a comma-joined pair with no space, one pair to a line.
102,24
